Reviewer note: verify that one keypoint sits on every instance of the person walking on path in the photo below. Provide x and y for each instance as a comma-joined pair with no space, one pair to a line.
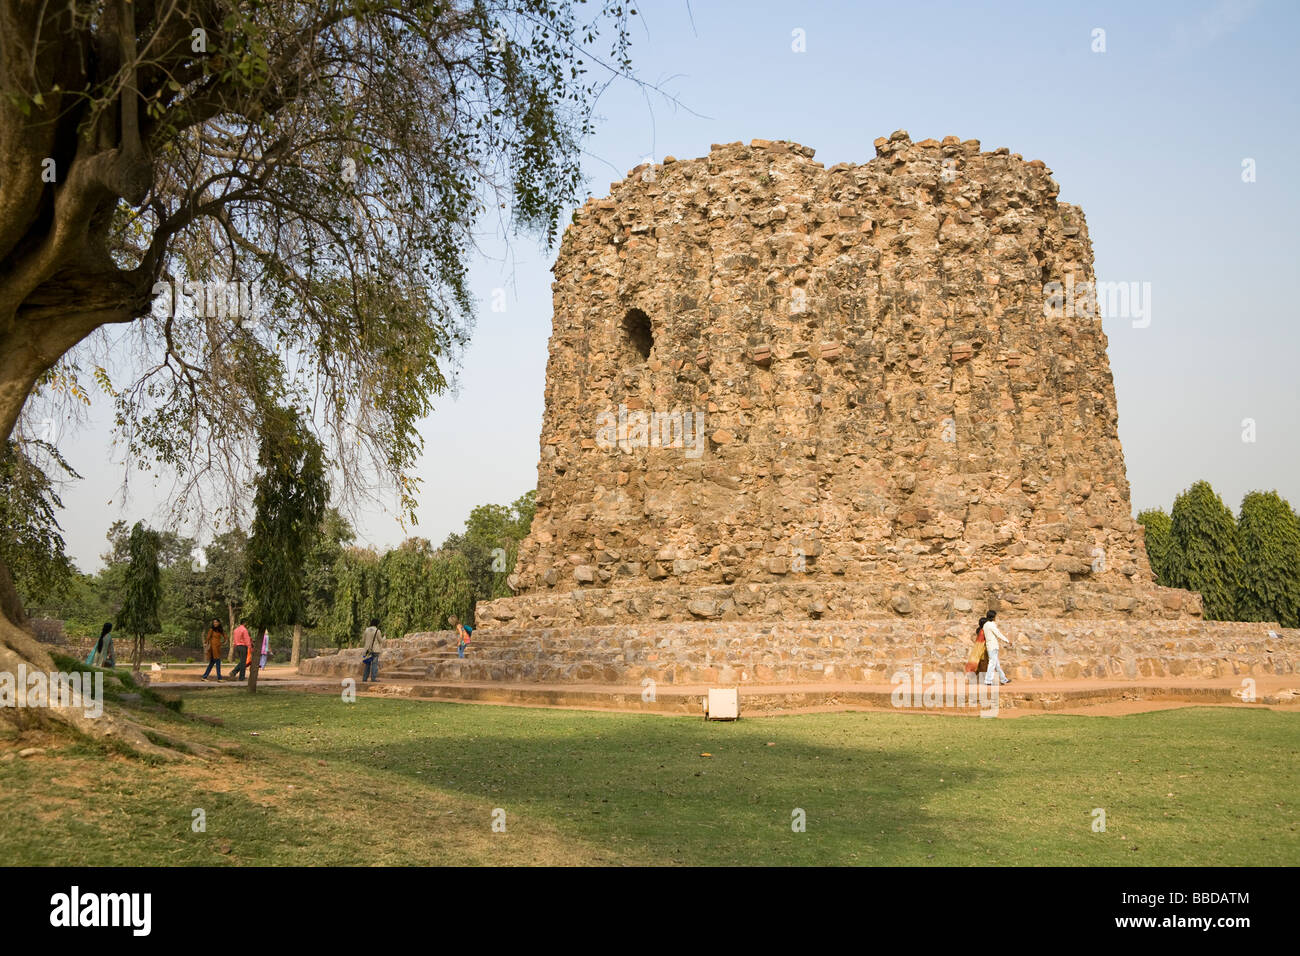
978,657
372,642
266,648
242,642
214,640
993,640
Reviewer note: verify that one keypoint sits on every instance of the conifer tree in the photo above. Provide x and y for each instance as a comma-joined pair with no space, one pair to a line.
139,614
1268,538
1203,552
289,503
1156,523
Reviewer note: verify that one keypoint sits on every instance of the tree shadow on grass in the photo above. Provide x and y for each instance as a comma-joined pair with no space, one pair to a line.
886,788
643,788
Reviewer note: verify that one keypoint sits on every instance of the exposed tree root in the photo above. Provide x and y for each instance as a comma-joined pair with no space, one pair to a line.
18,647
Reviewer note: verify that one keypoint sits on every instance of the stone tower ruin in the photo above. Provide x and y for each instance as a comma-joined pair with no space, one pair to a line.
781,392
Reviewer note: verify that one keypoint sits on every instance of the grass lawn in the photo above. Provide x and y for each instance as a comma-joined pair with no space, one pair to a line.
408,782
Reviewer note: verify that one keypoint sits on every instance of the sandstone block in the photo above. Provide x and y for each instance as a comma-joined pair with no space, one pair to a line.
1030,564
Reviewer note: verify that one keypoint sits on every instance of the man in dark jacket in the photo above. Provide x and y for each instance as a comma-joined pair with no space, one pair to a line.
372,642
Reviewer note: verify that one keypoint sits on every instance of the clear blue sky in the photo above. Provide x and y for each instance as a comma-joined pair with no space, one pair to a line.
1147,137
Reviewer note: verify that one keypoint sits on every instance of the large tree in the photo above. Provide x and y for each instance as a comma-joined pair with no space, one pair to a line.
1203,552
279,196
1268,538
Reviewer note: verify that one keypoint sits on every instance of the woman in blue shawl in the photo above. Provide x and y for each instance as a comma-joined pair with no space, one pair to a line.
101,654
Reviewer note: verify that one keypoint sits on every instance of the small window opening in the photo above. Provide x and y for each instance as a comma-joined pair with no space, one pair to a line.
636,326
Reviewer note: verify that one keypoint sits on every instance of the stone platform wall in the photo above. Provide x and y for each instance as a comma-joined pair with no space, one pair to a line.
347,662
869,651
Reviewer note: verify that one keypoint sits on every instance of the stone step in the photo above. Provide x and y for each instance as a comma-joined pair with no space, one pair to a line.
602,671
764,699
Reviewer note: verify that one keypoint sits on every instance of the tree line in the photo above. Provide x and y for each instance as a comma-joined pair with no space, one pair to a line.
411,587
1246,567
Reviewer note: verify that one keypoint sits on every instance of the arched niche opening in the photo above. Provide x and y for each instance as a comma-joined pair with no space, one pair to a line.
637,334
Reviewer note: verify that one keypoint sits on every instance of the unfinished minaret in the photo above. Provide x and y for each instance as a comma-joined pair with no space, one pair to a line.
778,392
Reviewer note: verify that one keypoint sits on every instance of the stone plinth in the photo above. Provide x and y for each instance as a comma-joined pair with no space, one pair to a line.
740,653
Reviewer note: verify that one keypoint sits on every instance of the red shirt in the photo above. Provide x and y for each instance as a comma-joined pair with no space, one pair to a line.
242,637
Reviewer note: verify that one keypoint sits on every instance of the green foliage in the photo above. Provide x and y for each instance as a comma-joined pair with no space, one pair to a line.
1203,552
1268,538
227,572
1156,522
413,587
358,596
186,605
289,503
448,576
31,542
143,584
334,536
173,549
490,545
185,602
358,145
143,589
83,606
119,536
423,588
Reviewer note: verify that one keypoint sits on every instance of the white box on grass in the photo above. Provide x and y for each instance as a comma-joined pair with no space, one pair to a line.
722,703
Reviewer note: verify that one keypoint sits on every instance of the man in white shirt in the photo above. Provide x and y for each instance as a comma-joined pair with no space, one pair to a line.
992,637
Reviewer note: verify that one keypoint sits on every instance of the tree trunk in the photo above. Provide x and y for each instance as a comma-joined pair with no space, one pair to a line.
254,659
137,653
230,609
11,605
19,647
296,653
